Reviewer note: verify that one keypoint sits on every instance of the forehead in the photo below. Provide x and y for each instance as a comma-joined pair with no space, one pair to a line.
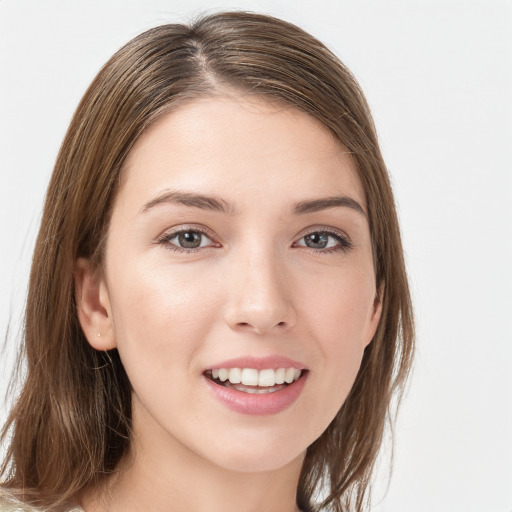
240,146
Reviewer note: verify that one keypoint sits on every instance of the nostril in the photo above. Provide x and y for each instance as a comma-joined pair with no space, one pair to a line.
246,325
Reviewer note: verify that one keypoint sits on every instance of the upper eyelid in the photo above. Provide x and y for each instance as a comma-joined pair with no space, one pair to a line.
324,229
172,232
165,239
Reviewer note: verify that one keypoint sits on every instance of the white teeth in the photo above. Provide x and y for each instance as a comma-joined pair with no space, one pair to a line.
254,390
280,373
235,375
267,378
289,375
251,377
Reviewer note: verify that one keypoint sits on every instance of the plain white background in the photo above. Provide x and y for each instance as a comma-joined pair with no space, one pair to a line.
438,75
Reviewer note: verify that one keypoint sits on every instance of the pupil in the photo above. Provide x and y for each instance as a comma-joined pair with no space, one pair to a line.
189,239
317,240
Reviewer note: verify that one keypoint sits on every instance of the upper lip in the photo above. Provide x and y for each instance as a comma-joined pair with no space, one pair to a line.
259,363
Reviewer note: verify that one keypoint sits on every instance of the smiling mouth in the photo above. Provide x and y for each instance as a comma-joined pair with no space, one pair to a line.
250,380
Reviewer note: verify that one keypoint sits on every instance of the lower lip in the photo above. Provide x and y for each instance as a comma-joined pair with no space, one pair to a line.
254,404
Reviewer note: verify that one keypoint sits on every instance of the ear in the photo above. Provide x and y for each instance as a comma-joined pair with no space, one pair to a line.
93,306
375,314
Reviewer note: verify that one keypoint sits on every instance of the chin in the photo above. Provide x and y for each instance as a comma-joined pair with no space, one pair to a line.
258,462
256,453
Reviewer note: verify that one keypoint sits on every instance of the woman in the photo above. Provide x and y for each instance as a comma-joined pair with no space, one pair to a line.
218,313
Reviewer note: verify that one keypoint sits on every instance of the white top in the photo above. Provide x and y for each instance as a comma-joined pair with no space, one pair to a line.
8,504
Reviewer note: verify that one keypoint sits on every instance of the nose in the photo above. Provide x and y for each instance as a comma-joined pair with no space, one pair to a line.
260,294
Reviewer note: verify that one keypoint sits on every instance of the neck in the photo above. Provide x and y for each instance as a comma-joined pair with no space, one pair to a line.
162,475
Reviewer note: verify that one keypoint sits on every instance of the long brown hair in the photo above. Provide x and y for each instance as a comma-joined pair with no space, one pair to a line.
71,423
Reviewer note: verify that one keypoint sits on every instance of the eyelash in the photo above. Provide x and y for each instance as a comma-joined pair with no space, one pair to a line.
344,243
166,238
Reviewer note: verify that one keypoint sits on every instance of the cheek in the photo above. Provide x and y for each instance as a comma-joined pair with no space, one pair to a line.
340,322
161,316
340,308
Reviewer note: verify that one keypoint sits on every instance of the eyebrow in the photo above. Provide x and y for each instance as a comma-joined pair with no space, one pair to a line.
191,199
216,204
316,205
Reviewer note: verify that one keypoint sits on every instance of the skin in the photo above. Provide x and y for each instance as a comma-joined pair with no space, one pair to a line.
253,287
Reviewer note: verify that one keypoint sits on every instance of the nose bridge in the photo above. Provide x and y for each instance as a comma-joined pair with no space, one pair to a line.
259,294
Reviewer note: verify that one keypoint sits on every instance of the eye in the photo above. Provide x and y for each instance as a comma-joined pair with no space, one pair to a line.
186,239
324,241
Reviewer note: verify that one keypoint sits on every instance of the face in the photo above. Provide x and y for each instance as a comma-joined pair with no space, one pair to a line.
239,248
